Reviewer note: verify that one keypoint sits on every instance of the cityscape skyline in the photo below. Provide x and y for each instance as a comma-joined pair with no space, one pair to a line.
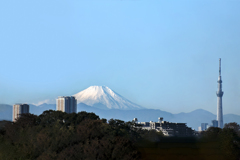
157,54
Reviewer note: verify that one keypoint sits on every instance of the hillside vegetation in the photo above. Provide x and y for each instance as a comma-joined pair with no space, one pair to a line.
55,135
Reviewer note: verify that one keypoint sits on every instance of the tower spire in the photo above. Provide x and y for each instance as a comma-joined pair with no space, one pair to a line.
219,66
219,98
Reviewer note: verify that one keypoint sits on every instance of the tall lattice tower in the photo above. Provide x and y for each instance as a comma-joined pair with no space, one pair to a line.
219,98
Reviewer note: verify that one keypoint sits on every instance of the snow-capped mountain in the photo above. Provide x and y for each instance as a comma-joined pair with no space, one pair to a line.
104,98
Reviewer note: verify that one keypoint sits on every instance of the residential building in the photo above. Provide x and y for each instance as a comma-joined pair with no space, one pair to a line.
19,109
66,104
168,128
214,123
199,128
204,126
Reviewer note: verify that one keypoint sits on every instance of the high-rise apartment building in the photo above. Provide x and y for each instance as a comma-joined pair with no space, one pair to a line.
204,126
214,123
67,104
19,109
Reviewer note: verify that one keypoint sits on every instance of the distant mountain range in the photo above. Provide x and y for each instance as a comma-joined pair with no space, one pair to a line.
193,119
108,104
5,112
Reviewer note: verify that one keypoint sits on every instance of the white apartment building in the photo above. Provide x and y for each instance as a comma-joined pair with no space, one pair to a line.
167,128
19,109
66,104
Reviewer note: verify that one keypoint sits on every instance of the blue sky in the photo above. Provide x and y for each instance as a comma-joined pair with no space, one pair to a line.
158,54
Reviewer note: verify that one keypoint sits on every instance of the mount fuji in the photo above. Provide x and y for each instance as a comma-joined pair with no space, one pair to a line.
103,97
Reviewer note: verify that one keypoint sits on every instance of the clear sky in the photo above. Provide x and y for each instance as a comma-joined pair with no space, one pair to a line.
160,54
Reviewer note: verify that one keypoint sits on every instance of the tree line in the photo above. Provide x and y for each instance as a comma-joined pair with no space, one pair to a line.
56,135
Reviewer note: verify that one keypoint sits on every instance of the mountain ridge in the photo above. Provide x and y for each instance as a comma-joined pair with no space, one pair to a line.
193,119
104,98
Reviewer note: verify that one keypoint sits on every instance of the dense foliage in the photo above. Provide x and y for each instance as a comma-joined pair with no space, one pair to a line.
57,135
227,139
215,143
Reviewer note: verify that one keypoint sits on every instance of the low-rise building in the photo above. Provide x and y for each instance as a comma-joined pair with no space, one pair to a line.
167,128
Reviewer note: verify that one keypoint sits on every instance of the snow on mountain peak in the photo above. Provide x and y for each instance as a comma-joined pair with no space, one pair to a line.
102,96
